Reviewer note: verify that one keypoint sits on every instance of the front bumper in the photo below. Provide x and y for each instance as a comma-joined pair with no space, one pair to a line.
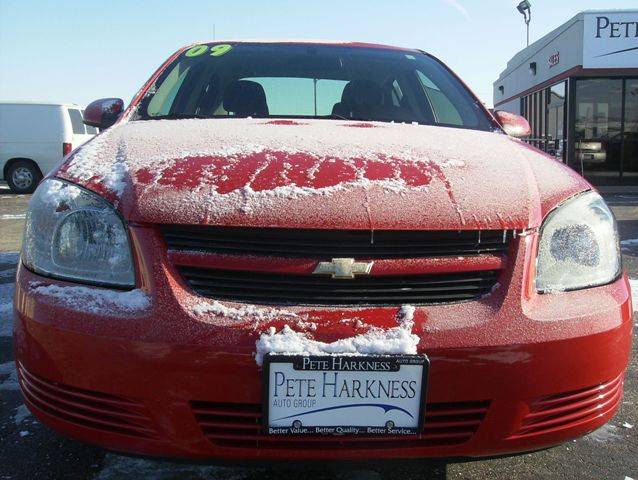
509,373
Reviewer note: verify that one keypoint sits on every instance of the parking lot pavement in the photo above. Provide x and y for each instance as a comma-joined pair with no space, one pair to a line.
28,450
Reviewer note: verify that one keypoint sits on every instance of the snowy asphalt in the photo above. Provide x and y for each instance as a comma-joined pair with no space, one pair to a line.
28,450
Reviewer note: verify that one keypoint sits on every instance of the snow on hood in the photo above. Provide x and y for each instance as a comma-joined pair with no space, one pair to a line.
320,173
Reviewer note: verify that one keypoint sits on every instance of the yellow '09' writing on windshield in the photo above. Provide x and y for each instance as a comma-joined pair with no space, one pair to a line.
219,50
215,50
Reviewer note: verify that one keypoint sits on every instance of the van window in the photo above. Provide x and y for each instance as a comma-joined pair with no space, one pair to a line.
76,121
89,129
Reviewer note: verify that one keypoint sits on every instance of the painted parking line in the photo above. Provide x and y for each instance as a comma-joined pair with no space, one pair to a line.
13,216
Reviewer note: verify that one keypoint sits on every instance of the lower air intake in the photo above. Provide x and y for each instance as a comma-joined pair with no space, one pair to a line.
239,425
569,409
86,408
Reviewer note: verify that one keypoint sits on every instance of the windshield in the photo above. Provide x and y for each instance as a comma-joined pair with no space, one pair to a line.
310,81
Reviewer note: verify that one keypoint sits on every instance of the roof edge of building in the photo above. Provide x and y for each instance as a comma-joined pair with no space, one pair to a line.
525,54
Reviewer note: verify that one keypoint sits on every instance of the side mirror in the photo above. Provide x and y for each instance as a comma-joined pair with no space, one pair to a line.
104,112
514,125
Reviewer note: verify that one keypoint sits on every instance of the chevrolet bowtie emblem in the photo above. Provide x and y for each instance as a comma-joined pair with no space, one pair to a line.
343,268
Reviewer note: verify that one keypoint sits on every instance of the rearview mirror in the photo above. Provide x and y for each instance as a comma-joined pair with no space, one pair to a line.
512,124
104,112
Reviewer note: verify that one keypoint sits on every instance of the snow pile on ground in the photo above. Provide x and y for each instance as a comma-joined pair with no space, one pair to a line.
241,313
8,376
606,433
6,309
629,245
21,414
7,272
8,263
13,216
376,341
94,300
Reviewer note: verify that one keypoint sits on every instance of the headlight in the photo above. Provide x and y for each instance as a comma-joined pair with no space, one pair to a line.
73,234
578,246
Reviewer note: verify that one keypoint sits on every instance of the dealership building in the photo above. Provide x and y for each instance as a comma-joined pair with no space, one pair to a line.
578,88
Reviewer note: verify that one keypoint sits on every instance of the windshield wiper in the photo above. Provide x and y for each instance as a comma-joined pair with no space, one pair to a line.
356,119
176,116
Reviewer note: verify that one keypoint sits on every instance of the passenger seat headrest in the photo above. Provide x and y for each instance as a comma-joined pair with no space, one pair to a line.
245,98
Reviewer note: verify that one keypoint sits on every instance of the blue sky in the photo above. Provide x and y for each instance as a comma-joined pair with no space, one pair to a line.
77,51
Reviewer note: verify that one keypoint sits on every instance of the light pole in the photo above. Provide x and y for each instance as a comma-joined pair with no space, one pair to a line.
524,9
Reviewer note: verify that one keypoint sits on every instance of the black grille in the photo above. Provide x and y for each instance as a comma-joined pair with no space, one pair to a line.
239,425
326,244
275,288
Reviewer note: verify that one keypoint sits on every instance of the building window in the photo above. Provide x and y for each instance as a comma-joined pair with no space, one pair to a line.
545,112
597,129
556,120
533,108
538,119
630,133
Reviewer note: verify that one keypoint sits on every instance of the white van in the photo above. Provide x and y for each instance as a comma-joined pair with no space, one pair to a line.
34,137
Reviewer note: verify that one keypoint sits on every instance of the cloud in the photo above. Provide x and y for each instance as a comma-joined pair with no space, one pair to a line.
458,7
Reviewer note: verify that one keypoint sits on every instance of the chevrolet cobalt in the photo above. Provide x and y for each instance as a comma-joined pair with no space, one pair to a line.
305,251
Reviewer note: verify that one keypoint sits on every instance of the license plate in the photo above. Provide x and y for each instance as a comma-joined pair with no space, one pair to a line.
344,395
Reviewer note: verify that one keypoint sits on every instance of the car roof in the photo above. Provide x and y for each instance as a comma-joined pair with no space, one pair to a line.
311,42
50,104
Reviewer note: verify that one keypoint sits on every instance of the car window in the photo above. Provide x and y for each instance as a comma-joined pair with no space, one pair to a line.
76,121
165,95
443,109
89,129
311,81
300,96
396,94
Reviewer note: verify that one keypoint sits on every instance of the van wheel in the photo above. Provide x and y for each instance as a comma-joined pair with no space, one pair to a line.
23,177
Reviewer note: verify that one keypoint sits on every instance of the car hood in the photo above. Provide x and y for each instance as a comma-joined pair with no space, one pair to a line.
320,174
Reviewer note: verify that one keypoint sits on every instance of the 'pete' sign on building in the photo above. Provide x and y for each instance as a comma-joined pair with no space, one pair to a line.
610,40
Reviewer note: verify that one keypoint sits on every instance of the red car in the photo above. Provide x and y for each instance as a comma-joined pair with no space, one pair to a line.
306,251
